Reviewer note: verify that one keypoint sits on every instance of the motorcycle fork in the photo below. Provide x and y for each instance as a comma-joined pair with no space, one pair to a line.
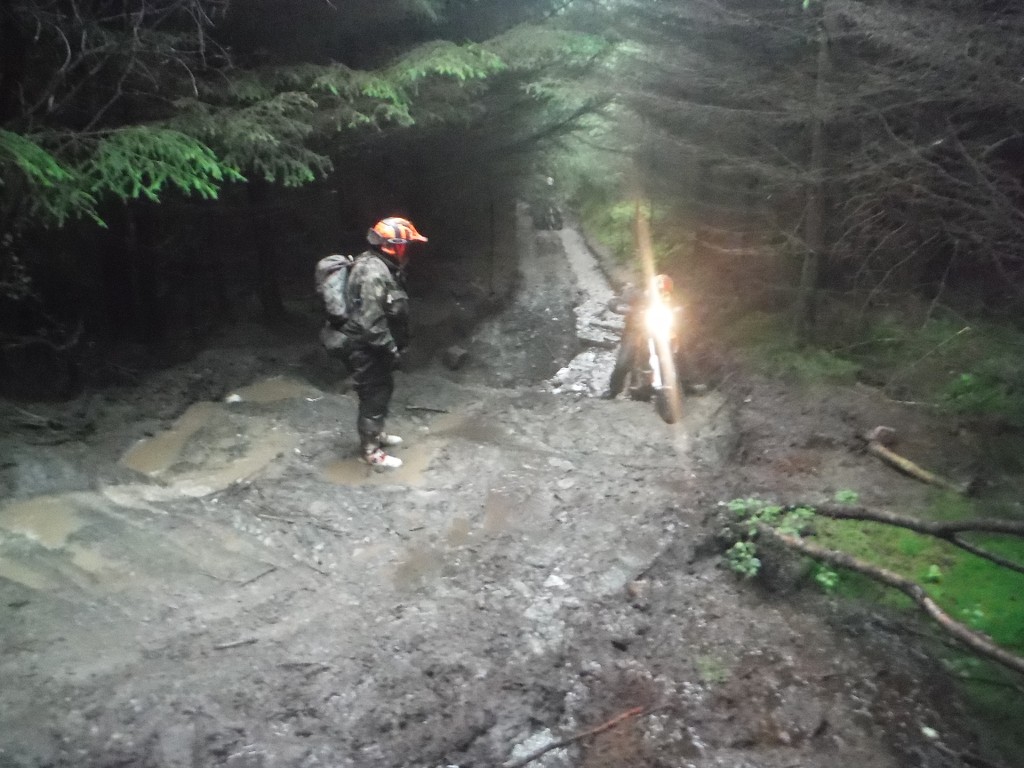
655,365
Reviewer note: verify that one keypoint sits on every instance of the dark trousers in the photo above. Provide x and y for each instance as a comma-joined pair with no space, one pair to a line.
632,353
629,352
374,383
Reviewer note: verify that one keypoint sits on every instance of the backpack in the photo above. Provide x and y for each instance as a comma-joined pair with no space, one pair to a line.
331,281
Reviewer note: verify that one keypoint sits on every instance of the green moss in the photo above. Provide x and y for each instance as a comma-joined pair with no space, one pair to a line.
971,589
711,669
974,369
763,340
807,366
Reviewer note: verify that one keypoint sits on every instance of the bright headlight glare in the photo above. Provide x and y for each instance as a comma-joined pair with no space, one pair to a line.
658,317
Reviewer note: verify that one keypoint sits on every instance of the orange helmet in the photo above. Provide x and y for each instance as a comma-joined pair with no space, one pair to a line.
392,234
663,284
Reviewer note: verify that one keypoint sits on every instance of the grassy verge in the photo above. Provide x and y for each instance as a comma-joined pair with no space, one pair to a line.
972,369
761,339
981,594
975,372
978,593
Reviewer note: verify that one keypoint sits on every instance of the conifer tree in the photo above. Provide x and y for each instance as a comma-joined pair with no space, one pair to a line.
181,99
918,112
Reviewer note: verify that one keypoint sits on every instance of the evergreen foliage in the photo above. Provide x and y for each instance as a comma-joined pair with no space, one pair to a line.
127,163
181,97
919,145
210,123
141,161
264,136
34,178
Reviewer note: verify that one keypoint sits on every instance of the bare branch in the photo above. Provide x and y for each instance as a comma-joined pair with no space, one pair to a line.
973,640
607,725
947,530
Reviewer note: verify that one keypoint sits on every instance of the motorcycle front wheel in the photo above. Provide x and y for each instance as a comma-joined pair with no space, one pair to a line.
663,405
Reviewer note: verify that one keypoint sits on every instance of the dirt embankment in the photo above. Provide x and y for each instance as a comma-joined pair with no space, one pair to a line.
236,590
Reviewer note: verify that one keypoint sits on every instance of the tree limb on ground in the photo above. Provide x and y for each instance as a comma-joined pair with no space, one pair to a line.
608,724
426,409
975,641
947,530
910,468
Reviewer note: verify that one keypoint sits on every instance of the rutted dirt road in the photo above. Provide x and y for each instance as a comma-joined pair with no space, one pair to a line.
207,577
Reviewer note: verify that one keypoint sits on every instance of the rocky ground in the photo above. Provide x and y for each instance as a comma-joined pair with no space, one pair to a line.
195,571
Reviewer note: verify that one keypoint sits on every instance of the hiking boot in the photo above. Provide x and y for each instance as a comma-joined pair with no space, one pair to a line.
380,460
389,440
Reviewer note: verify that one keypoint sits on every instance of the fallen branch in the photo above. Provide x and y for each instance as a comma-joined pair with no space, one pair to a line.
947,530
967,636
290,521
608,724
426,408
910,468
234,644
258,576
312,567
974,549
940,528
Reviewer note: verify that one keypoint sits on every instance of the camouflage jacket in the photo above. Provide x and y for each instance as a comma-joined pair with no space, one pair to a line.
378,304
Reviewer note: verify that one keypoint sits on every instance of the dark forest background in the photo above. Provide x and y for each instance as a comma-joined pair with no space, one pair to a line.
850,169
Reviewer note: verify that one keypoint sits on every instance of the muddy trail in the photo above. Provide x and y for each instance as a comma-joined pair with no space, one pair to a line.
196,571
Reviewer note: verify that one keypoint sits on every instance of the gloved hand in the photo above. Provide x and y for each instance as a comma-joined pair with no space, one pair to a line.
396,359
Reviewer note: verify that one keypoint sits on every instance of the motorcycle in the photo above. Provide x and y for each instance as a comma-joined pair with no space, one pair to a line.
653,375
549,216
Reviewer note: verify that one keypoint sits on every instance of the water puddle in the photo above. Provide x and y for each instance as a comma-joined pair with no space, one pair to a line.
460,532
421,564
91,562
473,429
498,508
352,471
262,450
47,520
158,453
50,521
271,390
371,552
416,458
225,454
27,577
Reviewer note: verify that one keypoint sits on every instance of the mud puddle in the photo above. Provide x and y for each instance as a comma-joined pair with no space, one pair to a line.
40,546
211,446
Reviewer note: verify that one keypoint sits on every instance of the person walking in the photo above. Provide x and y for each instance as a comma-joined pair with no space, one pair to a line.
376,332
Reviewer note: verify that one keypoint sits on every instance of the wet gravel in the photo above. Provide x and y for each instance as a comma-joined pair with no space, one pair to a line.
545,563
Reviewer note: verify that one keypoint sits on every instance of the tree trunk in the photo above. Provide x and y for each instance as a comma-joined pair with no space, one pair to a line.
13,55
814,230
268,267
144,274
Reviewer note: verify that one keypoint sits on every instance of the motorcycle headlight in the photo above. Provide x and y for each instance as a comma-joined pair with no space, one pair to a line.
658,318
